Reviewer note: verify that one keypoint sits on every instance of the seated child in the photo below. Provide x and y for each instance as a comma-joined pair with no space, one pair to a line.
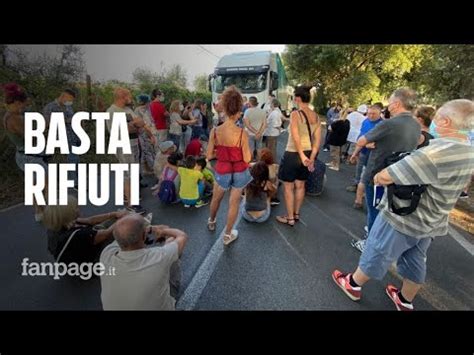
167,193
165,150
192,184
201,164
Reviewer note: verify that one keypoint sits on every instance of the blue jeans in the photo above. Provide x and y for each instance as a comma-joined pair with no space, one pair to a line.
197,132
386,245
255,144
372,212
176,139
249,218
363,158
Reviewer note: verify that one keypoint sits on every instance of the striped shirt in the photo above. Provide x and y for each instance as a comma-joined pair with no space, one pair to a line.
445,165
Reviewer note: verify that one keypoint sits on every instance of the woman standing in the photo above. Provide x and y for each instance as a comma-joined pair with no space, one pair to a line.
176,123
339,131
301,151
229,144
16,102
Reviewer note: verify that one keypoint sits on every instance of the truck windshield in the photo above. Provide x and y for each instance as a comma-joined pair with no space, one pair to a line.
247,83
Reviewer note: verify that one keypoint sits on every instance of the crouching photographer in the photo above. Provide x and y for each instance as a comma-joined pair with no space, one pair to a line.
445,167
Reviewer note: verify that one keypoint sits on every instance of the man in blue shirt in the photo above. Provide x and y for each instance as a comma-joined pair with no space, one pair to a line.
372,120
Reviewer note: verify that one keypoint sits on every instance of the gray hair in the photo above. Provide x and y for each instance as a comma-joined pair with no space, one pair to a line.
407,98
275,103
128,231
461,113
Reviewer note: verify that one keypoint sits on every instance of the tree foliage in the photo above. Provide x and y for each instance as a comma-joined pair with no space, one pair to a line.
201,83
43,76
355,74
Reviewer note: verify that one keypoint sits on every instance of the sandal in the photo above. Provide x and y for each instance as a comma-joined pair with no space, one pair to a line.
211,225
229,238
296,217
285,220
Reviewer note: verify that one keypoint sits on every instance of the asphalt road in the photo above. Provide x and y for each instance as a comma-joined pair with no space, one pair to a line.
270,266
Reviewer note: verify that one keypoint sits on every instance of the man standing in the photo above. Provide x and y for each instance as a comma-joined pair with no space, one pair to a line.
355,118
159,115
267,106
255,122
399,134
137,277
64,104
372,120
123,98
273,128
445,166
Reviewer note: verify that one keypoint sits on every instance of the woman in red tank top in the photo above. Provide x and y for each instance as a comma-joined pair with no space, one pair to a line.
229,145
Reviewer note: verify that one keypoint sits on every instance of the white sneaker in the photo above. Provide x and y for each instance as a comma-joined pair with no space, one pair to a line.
359,245
187,206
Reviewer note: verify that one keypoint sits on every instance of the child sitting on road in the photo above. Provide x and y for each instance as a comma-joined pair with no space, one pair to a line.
201,164
167,193
165,150
192,184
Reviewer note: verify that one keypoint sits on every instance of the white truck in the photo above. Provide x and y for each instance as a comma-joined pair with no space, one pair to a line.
254,74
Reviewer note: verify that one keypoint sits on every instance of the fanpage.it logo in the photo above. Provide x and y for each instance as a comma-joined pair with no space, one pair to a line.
57,270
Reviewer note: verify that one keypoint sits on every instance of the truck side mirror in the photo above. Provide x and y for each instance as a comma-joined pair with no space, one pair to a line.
209,82
274,83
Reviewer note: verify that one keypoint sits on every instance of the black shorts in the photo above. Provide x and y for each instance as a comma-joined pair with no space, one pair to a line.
291,167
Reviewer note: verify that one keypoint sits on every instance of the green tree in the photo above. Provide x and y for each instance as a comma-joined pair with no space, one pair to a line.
352,74
176,75
201,83
447,73
43,76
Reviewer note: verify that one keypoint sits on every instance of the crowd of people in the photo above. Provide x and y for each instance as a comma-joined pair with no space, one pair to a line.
195,160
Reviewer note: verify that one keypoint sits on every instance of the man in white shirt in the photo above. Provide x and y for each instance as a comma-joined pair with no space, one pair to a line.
355,118
273,129
138,277
267,107
255,122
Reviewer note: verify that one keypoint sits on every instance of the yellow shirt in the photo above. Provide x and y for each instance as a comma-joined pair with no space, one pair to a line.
189,183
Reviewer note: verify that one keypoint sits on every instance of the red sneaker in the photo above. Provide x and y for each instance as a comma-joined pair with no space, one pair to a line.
392,292
342,280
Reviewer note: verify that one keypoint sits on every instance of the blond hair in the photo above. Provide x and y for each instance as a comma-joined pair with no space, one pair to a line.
58,217
174,107
343,114
120,93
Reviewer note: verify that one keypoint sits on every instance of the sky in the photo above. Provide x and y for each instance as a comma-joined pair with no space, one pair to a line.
106,62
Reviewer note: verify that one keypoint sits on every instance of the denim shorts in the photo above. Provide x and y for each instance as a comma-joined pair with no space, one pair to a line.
249,218
386,245
235,180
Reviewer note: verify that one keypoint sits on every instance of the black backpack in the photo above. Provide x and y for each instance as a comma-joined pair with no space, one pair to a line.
410,193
